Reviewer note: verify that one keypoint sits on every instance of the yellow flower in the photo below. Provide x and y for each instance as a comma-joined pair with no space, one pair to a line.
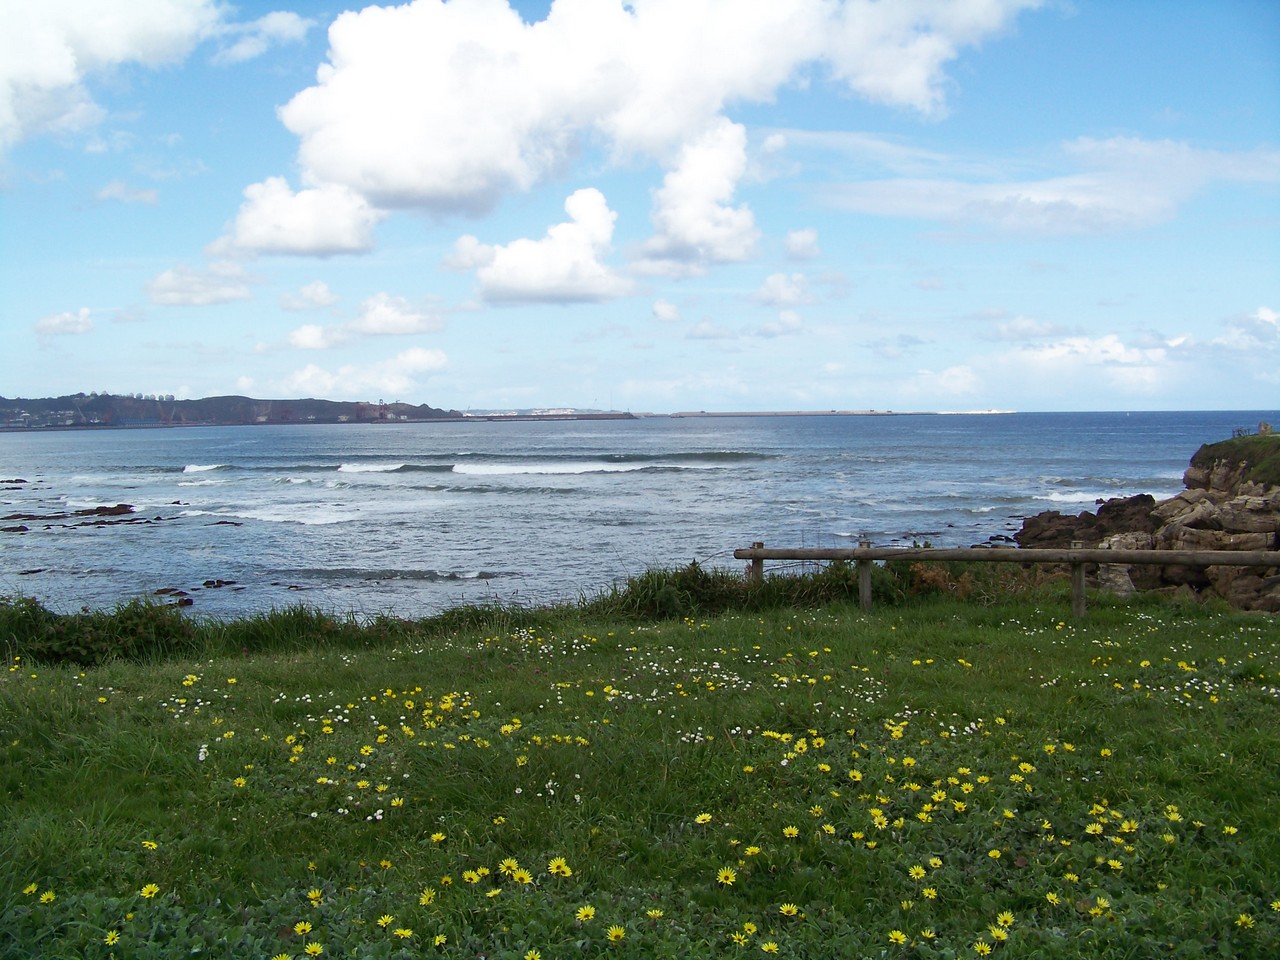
509,866
404,933
386,920
1053,898
149,891
522,876
315,896
532,955
702,818
584,914
982,948
897,936
313,949
112,938
791,832
916,872
749,928
302,928
738,938
929,893
769,946
427,897
48,896
1005,919
788,909
993,854
437,838
1244,921
559,868
927,933
654,914
150,845
726,876
440,940
29,889
615,933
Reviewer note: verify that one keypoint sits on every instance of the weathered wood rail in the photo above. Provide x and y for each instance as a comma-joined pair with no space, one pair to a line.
1077,556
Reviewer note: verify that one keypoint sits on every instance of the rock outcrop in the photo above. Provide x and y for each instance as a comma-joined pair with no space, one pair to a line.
1231,502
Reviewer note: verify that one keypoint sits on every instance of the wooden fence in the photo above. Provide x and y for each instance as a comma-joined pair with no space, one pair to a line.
1077,556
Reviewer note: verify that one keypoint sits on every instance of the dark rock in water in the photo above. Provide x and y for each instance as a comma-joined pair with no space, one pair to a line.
184,602
215,584
14,480
119,510
226,523
20,528
27,573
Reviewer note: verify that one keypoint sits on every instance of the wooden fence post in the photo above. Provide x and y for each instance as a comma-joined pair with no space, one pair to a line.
864,578
1077,584
757,565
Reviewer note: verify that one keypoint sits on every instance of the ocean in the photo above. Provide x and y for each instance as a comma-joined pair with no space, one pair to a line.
411,518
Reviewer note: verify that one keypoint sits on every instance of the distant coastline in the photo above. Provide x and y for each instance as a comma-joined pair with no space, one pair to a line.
112,411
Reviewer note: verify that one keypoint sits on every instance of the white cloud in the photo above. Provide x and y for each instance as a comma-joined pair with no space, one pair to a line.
47,49
781,289
253,39
955,381
802,244
1259,330
383,314
398,375
223,282
315,336
119,190
564,266
65,323
665,312
322,221
380,315
314,295
694,223
707,330
1117,184
787,324
511,102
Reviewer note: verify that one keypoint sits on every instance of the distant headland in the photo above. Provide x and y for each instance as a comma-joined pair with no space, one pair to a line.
88,410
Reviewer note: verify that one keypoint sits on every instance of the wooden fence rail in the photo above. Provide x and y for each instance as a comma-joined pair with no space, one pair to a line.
1076,555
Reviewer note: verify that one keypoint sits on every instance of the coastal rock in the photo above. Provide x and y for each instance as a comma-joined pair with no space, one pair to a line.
1231,502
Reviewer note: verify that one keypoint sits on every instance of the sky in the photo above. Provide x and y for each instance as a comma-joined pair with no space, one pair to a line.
654,206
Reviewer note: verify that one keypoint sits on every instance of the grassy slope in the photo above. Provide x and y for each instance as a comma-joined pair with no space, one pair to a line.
1108,786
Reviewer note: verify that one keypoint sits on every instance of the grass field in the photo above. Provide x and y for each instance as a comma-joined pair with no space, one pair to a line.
932,779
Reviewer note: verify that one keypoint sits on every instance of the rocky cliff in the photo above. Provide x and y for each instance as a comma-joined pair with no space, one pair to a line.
1231,502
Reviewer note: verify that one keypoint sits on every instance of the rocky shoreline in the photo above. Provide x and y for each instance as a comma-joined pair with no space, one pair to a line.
1231,502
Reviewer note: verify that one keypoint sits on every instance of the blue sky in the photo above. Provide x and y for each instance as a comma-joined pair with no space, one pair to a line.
659,206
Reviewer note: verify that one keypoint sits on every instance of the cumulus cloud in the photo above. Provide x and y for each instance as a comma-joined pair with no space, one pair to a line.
380,315
695,225
312,296
1110,185
400,374
119,190
249,40
564,266
665,312
47,50
1259,330
802,244
222,282
59,324
499,105
781,289
322,221
385,315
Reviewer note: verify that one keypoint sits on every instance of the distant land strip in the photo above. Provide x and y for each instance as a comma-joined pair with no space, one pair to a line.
135,410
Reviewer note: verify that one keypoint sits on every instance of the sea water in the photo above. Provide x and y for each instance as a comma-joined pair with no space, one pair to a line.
411,518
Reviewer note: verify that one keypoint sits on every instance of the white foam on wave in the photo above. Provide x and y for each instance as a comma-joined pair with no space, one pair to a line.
370,467
1077,496
202,467
307,516
514,469
201,483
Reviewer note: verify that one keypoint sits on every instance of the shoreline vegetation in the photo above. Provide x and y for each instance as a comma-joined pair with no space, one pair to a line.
687,765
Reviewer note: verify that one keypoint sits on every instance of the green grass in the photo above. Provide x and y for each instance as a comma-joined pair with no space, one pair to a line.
989,773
